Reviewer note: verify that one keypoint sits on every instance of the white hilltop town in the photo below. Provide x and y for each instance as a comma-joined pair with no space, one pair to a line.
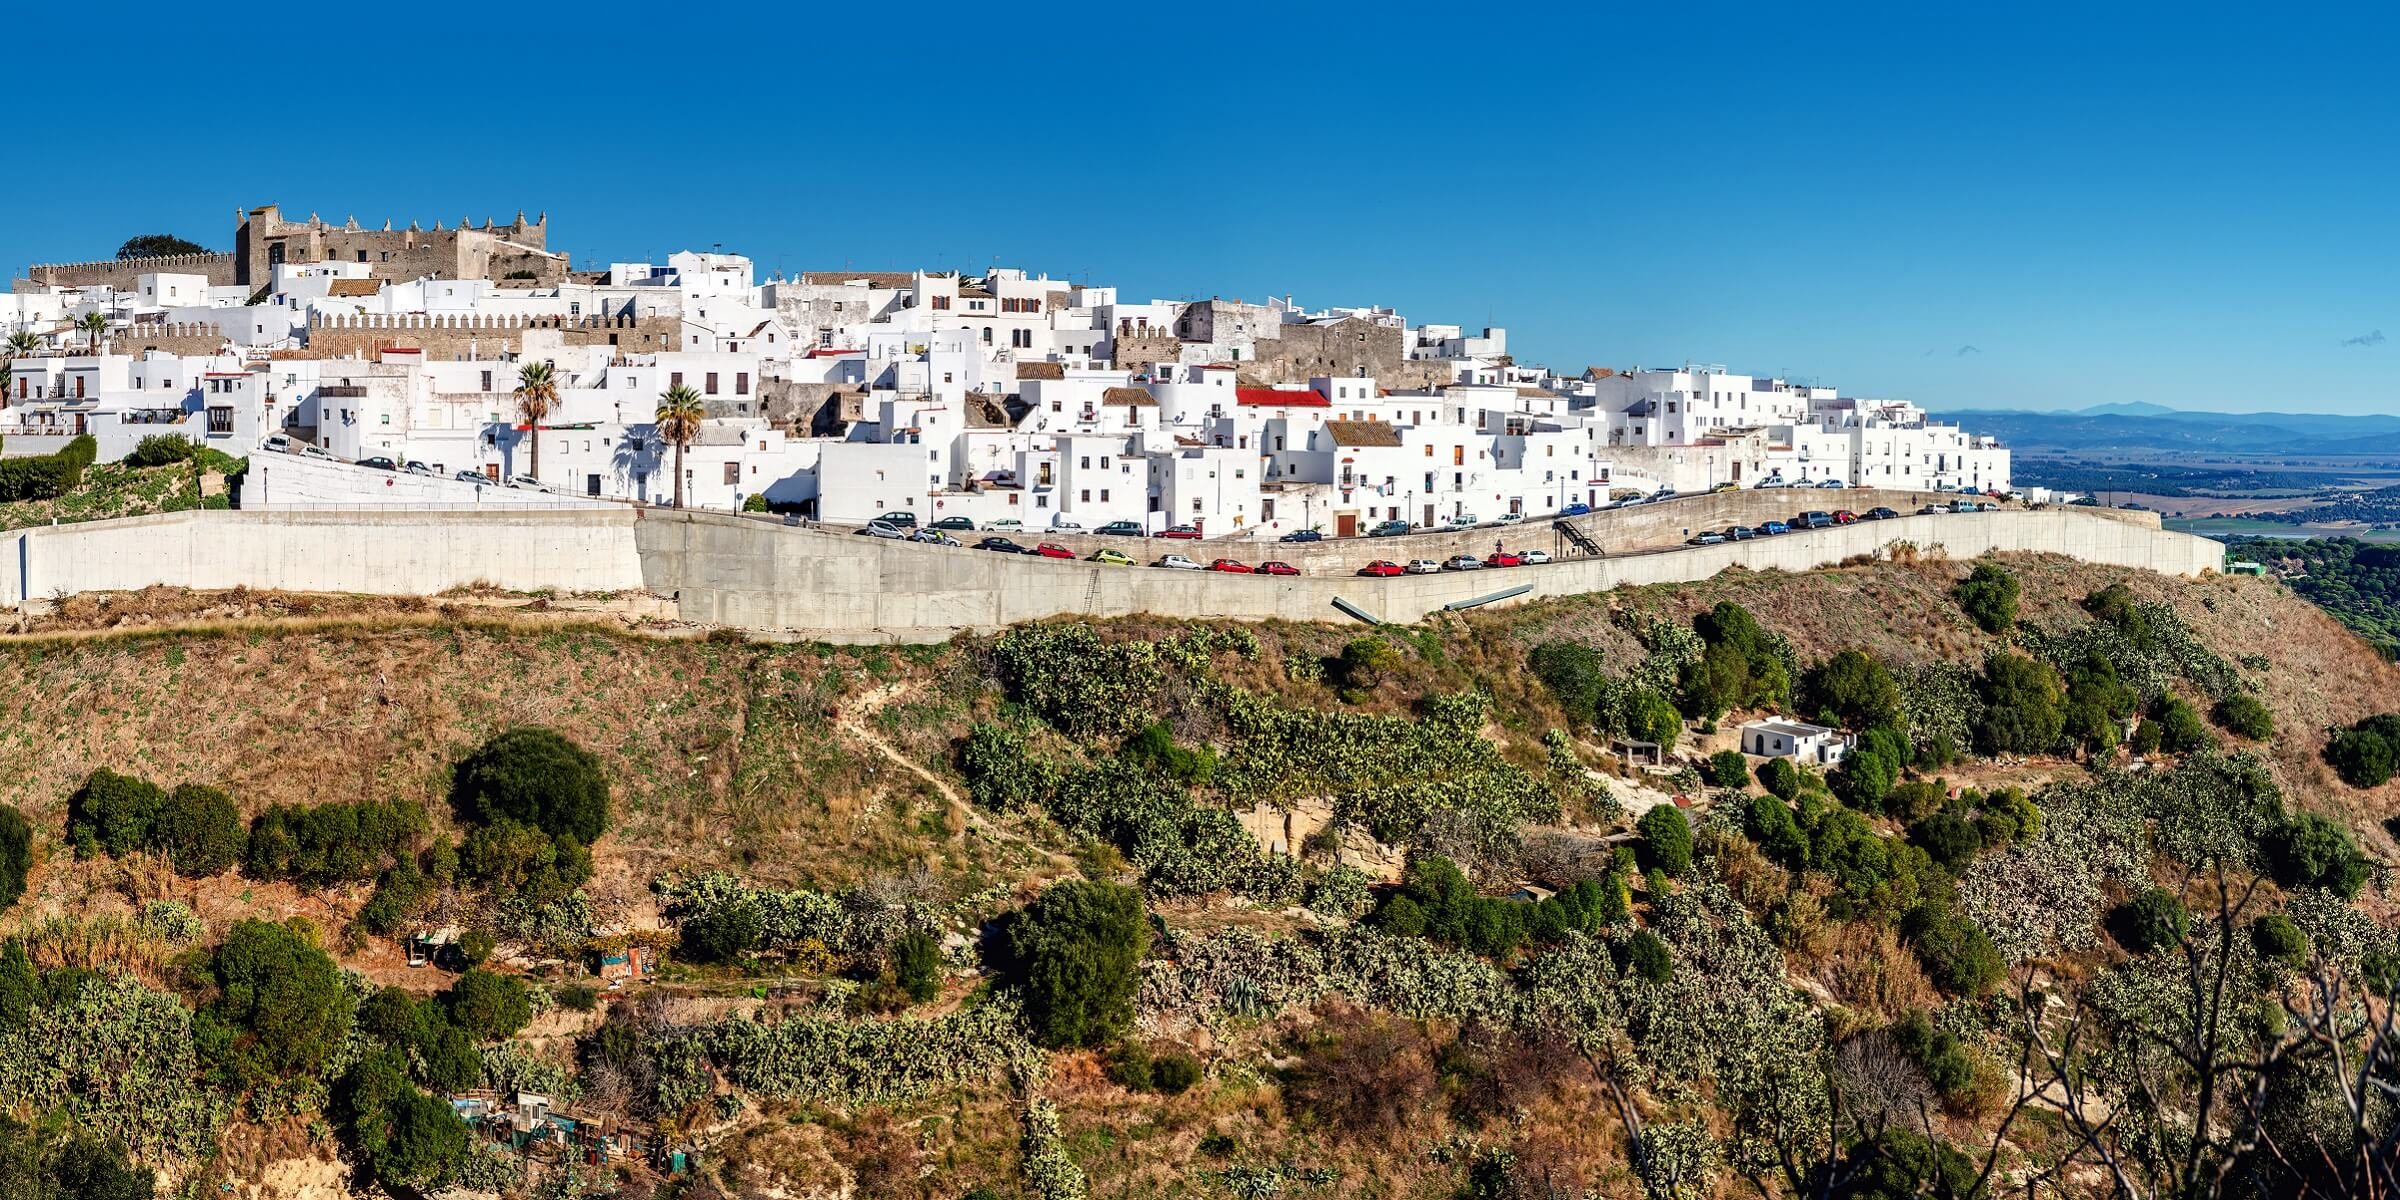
469,365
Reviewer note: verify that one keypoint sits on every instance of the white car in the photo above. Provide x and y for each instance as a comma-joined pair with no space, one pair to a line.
1514,518
1464,521
277,443
1176,562
315,452
1066,527
1534,558
528,482
1004,525
1423,566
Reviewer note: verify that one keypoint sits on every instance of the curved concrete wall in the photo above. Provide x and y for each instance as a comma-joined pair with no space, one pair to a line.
763,575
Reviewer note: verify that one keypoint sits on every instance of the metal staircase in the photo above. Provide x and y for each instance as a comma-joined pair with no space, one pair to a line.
1577,538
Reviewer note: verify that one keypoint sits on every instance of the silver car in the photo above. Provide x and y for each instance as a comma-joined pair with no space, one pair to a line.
879,529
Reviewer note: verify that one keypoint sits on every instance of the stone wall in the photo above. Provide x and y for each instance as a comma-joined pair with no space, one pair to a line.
1348,348
123,273
1142,352
184,338
456,337
494,251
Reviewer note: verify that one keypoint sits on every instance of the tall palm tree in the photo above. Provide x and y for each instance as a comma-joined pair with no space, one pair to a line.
537,391
23,342
93,324
679,415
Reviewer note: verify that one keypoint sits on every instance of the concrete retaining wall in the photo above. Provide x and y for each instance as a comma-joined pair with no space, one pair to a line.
291,481
762,575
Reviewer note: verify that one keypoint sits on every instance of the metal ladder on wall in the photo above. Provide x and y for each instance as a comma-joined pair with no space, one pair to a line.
1577,538
1091,590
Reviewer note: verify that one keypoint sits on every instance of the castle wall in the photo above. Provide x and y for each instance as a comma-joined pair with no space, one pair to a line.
122,273
461,336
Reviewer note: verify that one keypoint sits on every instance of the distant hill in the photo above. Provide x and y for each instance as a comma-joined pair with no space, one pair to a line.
2144,426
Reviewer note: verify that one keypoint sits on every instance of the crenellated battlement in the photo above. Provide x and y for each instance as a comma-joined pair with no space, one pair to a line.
123,273
146,265
468,322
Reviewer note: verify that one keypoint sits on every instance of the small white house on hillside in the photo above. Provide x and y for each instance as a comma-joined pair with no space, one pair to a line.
1813,744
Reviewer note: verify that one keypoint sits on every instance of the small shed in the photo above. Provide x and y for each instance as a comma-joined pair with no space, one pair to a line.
1817,745
1633,751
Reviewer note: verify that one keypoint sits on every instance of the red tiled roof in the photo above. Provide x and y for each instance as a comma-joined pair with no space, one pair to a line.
1280,396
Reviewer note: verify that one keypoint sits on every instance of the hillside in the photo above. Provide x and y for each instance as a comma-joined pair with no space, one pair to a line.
864,1003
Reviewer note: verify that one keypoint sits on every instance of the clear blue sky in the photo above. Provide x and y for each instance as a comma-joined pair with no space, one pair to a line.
1967,206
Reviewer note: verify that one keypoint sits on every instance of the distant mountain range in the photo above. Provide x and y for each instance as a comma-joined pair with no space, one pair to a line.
2141,426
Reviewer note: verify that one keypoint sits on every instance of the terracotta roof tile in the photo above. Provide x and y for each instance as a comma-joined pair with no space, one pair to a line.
1362,433
1041,370
1129,397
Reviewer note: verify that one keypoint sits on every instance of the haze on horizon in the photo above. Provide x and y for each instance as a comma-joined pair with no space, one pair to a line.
1973,210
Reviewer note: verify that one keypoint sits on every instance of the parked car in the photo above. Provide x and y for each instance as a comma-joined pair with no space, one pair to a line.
1931,510
1725,487
1845,517
414,467
1180,532
1880,513
1829,483
1772,528
1664,493
1004,525
277,443
1176,562
1771,481
1230,566
1462,562
1120,529
1577,509
1816,519
956,524
379,463
1463,521
1505,559
1535,558
933,537
1509,518
1114,558
468,476
1062,525
903,518
1054,550
1740,533
1277,568
1706,537
315,452
1381,569
1302,535
1966,506
1389,529
882,529
528,482
1423,566
1000,545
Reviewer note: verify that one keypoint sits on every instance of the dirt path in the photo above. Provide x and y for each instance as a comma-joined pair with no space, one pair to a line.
856,720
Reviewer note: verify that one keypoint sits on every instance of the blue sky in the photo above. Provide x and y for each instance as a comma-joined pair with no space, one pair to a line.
2052,207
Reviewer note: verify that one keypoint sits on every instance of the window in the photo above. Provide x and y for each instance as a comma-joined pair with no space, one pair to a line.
1103,495
675,379
1085,495
733,472
220,419
941,302
487,381
711,389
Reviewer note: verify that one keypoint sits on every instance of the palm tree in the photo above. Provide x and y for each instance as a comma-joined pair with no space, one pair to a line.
23,342
537,390
679,415
93,324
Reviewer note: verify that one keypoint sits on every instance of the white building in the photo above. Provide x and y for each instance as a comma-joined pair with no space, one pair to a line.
1815,745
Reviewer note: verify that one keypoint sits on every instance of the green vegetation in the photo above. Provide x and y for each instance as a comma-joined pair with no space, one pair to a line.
47,476
2365,754
2154,920
1989,596
2358,582
198,828
281,1009
158,245
1075,954
1665,843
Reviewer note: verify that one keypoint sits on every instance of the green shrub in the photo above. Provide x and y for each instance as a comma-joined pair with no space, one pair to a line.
113,814
1770,823
2243,715
1780,776
2279,939
2023,706
2146,737
722,933
1741,666
1729,769
2181,731
488,1005
1665,840
1174,1074
201,830
1647,957
1075,953
400,895
407,1140
37,1164
1948,1063
537,777
1002,772
48,476
16,854
1851,690
332,844
2307,850
1989,596
1958,956
1650,717
2153,920
917,965
522,862
1572,671
281,1009
1871,769
161,449
2366,754
1948,839
1153,747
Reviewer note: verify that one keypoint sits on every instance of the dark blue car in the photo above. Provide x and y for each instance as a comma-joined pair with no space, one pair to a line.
1576,509
1302,535
1774,527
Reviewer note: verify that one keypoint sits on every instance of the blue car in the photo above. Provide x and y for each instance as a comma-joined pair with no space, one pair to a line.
1576,509
1772,528
1302,535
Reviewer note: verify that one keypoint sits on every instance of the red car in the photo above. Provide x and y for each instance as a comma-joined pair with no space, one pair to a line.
1053,550
1277,568
1231,566
1181,532
1380,569
1504,559
1845,517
